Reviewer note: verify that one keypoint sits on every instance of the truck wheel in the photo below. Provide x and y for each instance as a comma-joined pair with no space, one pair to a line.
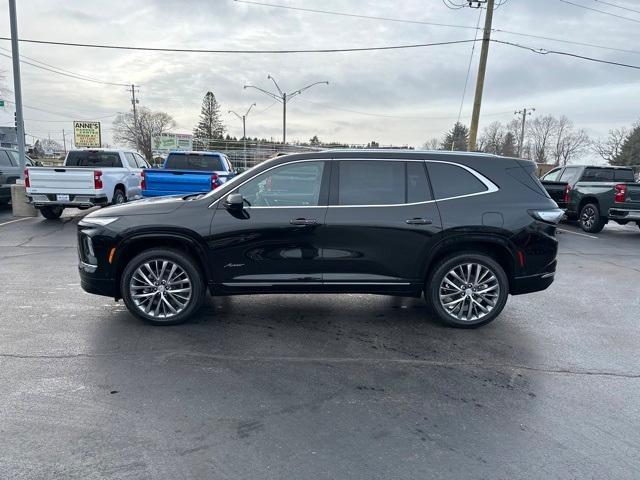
467,290
118,197
590,220
51,213
162,286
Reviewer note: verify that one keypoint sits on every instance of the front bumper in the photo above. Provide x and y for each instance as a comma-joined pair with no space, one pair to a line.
624,214
75,200
98,286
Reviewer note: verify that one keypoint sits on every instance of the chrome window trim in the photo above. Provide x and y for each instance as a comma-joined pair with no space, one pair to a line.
491,187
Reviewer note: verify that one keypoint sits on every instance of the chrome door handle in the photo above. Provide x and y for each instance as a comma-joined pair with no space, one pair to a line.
418,221
303,221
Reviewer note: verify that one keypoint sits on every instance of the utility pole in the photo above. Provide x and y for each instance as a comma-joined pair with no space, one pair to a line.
17,85
244,130
64,143
134,102
524,112
284,98
482,68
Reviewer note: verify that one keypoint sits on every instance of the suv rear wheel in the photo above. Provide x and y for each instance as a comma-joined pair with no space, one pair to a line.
590,219
467,290
162,286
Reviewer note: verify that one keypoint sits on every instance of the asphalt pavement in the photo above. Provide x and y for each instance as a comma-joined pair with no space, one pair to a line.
318,387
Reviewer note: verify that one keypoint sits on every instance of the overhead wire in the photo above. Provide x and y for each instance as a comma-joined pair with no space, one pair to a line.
599,11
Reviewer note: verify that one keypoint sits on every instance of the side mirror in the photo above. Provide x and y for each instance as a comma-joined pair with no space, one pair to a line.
234,202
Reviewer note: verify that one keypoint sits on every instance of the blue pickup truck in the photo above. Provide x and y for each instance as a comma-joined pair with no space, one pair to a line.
184,173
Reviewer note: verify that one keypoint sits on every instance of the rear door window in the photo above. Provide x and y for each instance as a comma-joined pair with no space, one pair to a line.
598,175
623,175
371,182
88,158
5,161
207,163
417,184
449,181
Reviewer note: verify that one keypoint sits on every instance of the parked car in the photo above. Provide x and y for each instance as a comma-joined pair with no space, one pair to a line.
464,230
87,178
10,171
594,195
185,173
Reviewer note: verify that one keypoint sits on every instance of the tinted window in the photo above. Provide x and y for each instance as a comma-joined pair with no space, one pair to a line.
293,185
4,159
131,160
569,174
371,182
623,175
88,158
450,180
417,185
193,161
552,176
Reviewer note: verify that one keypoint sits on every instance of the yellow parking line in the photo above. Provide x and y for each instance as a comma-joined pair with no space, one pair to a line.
14,221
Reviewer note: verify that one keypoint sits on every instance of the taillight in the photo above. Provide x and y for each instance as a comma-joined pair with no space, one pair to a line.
214,181
143,181
27,182
621,192
567,191
97,179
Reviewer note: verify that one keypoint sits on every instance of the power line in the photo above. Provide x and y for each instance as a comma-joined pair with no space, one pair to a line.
599,11
618,6
61,71
198,50
353,15
542,51
420,22
466,80
73,117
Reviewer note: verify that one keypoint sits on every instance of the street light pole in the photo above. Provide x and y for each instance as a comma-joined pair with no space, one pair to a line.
284,98
244,130
524,112
17,85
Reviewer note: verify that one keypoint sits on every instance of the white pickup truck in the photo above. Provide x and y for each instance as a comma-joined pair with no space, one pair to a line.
88,178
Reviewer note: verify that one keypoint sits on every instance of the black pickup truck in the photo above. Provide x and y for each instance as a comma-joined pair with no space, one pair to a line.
9,171
594,195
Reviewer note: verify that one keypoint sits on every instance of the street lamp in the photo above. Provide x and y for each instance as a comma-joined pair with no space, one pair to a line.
244,130
283,97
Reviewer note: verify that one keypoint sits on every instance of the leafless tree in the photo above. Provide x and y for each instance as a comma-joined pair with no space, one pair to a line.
540,133
140,134
432,144
609,148
571,144
492,138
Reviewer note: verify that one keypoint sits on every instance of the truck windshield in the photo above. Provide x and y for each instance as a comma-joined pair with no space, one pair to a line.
89,158
180,161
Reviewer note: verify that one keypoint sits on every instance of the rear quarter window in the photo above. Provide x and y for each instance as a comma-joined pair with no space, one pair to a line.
93,159
448,180
207,163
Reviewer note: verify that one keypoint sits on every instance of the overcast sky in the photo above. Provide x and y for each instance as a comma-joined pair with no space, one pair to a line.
416,93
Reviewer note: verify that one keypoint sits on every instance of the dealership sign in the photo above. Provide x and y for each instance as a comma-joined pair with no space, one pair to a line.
173,141
87,134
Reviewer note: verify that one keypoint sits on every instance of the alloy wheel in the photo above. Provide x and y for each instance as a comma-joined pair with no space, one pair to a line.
160,288
469,291
588,217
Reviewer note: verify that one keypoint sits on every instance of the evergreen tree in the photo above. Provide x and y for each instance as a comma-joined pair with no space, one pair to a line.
630,152
210,127
508,148
314,141
458,136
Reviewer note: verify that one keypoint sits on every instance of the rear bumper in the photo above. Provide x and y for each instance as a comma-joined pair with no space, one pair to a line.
534,283
75,200
624,214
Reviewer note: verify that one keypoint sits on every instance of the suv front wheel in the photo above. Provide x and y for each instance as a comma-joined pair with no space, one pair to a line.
467,290
162,286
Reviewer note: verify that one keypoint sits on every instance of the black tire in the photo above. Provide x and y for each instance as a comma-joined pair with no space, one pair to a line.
118,197
590,220
444,267
186,263
51,213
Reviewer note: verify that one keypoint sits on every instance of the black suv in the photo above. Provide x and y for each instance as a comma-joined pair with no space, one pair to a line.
465,230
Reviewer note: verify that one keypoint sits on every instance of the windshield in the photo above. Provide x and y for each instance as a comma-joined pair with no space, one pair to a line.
206,163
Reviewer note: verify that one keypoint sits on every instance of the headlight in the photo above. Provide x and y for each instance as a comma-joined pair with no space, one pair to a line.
549,216
97,221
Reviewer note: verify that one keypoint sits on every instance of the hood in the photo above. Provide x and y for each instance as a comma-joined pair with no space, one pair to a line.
147,206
